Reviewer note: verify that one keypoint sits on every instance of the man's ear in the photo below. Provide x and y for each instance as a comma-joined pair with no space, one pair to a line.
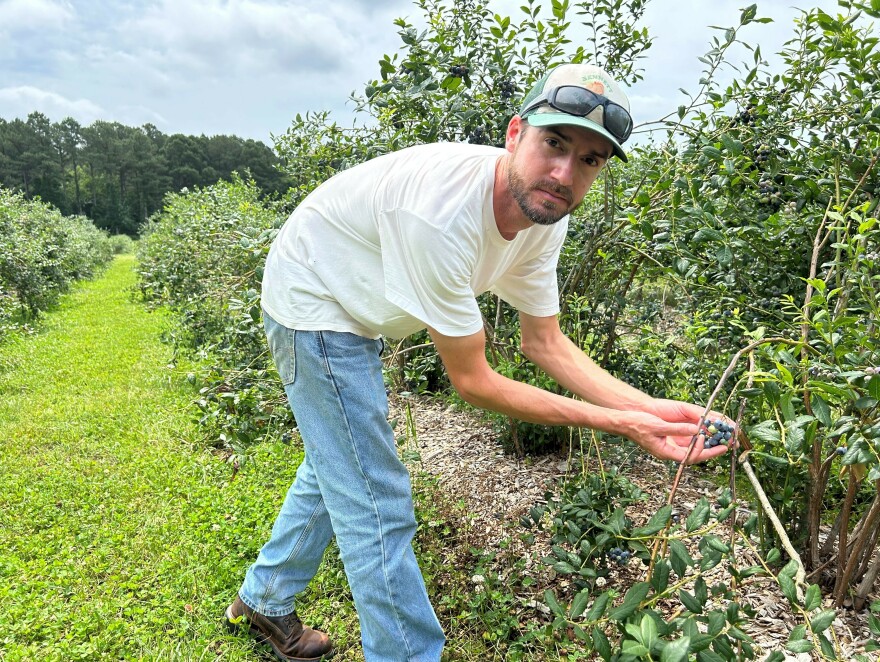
515,129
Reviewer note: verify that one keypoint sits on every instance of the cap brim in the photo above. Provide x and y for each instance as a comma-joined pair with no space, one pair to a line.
553,119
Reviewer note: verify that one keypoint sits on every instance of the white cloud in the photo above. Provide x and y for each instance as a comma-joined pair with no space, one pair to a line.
241,36
24,99
17,15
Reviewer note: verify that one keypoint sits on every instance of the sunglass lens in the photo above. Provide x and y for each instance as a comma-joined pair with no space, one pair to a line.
618,121
575,100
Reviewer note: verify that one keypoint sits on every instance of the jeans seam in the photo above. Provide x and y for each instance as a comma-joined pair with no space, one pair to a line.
270,585
341,401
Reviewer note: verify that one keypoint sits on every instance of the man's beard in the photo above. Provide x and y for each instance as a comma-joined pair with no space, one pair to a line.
546,213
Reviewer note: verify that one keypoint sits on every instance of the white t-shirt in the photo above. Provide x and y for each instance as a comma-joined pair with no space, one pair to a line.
405,241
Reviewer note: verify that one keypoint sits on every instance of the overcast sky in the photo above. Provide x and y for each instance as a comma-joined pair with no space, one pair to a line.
246,67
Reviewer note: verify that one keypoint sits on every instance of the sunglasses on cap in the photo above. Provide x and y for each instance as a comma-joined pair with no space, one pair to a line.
579,101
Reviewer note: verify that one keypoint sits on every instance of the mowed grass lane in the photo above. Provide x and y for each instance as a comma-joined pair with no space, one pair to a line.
121,537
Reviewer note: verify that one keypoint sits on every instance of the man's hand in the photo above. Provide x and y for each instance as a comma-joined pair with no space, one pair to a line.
674,411
668,440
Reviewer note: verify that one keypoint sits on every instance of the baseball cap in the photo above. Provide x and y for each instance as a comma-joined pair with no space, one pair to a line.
588,76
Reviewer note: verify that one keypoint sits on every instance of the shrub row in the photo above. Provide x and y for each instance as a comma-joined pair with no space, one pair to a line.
202,257
41,253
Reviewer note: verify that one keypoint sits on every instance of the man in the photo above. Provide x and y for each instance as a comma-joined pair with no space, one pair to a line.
402,243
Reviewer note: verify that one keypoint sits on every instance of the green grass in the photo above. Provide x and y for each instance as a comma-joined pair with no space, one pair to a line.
121,537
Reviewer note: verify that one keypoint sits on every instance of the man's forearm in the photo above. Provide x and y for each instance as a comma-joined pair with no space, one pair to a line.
562,360
535,405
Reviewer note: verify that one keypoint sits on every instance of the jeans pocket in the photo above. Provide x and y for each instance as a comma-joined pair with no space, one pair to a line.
281,346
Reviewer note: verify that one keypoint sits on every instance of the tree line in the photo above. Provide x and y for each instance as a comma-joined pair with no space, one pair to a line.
117,175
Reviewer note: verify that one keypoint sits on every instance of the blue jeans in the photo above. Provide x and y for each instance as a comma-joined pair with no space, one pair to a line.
351,484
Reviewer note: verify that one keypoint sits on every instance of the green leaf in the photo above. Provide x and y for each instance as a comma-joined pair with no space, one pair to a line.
857,453
724,514
813,597
864,403
579,604
714,542
634,648
716,622
785,404
701,590
821,409
773,556
801,646
787,585
822,620
598,607
564,568
631,601
690,602
732,145
712,153
724,256
751,571
600,641
775,656
827,647
648,631
550,601
707,234
679,557
676,651
699,515
766,432
657,523
723,648
794,441
660,576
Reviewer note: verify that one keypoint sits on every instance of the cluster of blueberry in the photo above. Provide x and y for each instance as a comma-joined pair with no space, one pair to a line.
819,373
507,88
621,556
459,70
478,136
746,116
763,154
769,194
718,432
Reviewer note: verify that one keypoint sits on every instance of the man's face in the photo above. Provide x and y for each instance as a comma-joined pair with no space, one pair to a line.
552,168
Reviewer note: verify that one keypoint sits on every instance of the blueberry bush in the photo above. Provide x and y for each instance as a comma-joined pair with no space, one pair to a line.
202,257
41,253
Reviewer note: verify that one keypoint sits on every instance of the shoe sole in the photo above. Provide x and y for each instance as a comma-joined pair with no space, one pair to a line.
237,625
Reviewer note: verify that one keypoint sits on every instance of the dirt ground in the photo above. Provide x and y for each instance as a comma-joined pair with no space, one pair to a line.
463,453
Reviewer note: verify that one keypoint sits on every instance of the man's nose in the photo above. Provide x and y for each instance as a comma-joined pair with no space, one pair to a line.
563,171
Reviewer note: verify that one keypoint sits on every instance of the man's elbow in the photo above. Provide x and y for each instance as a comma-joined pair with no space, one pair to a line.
471,389
532,348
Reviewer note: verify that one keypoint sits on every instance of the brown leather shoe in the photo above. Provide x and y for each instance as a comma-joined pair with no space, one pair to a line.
289,638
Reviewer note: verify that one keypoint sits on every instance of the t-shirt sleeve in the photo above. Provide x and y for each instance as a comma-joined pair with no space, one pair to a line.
531,286
427,273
